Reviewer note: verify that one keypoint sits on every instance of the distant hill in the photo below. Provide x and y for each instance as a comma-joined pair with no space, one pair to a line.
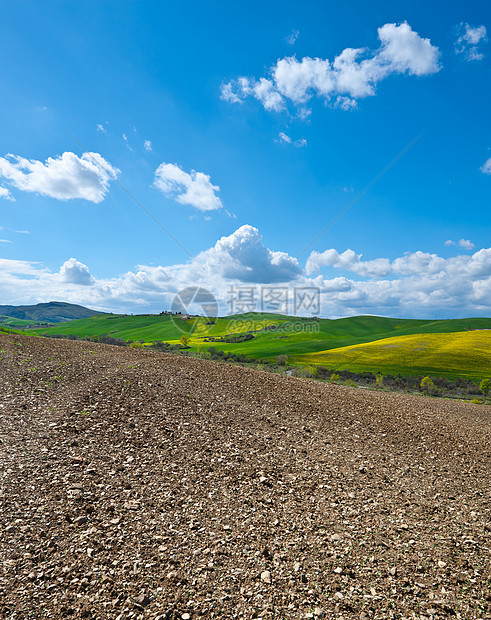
53,312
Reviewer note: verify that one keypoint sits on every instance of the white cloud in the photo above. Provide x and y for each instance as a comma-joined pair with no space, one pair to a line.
292,37
486,167
463,243
148,145
419,264
284,138
470,40
5,241
4,193
194,188
125,138
17,232
74,272
243,256
237,258
64,177
345,103
263,90
352,75
416,284
348,261
101,129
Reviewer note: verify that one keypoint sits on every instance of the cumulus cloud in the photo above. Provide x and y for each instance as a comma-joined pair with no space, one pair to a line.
352,75
65,177
463,243
470,41
348,261
419,264
234,259
194,188
243,256
263,90
75,272
486,167
418,284
148,145
285,139
4,193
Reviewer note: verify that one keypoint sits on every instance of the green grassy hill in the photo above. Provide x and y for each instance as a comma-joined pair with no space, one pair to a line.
53,312
10,322
452,354
303,341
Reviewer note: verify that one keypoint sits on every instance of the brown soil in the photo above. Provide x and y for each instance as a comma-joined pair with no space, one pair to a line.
138,484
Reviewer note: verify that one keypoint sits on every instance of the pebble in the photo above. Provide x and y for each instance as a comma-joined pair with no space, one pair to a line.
142,600
266,576
132,504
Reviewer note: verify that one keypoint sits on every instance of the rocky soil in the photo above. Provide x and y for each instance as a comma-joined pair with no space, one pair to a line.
137,484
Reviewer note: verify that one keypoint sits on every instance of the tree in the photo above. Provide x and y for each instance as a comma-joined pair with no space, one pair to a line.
379,380
428,387
485,387
185,340
311,371
334,378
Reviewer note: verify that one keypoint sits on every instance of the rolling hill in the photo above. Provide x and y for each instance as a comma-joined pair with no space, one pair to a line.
303,341
459,353
11,322
52,312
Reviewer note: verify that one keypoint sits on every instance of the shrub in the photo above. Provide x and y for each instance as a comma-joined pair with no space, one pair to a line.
281,360
428,387
485,387
231,338
184,340
334,378
476,401
379,380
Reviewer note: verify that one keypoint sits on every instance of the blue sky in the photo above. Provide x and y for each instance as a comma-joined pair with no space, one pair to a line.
219,121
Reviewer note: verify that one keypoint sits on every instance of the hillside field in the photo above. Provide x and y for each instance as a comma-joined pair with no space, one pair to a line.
11,322
461,353
306,341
